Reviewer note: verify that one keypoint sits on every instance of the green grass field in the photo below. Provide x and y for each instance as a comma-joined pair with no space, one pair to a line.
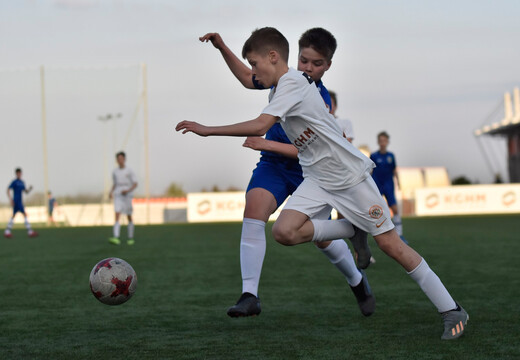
189,274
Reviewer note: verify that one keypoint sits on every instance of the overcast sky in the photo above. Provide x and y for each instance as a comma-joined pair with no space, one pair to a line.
429,73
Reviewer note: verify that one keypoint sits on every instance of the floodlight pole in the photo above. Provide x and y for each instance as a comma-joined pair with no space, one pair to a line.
105,119
44,140
146,145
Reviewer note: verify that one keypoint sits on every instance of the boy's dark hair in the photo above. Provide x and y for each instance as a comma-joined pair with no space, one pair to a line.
333,97
383,133
320,40
264,40
121,153
17,170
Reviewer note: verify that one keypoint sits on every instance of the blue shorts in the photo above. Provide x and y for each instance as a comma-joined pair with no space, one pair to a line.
18,207
279,178
387,189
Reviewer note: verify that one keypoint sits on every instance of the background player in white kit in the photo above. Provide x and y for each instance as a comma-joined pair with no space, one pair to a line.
125,182
344,123
336,174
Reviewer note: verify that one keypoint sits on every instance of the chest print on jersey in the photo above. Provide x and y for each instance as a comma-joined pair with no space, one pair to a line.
306,138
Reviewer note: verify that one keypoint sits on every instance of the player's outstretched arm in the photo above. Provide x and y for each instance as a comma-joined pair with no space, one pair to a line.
256,127
28,190
237,67
261,144
9,196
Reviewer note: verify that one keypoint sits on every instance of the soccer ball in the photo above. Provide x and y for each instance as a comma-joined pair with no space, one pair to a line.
113,281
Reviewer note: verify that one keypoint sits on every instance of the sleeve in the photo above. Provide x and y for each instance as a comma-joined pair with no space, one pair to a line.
11,185
394,163
287,95
133,177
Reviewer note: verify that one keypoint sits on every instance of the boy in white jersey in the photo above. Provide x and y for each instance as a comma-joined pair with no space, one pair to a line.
125,182
336,174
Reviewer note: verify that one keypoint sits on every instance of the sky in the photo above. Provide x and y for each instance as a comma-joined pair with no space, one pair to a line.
429,73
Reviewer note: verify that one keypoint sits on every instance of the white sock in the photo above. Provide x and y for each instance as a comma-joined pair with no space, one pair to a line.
130,229
117,228
10,224
398,224
331,229
252,252
27,225
339,254
432,287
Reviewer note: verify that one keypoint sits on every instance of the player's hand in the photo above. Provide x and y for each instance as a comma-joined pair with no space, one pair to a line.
12,202
255,143
124,192
110,196
215,39
192,126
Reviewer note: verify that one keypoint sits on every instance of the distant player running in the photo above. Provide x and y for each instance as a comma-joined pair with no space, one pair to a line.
383,175
125,182
18,188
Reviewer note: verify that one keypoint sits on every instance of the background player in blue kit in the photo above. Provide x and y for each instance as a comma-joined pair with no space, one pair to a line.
383,176
278,174
52,204
18,188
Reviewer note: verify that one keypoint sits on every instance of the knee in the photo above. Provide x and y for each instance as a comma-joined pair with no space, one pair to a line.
284,236
390,244
322,244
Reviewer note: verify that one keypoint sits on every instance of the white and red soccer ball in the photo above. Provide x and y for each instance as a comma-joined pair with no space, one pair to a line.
113,281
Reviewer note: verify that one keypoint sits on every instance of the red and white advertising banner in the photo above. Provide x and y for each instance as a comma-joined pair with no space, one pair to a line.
468,199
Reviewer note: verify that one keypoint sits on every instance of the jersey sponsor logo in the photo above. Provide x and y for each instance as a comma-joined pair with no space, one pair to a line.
305,139
376,212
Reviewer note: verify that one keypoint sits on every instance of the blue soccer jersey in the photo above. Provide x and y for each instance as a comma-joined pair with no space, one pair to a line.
276,173
18,187
384,174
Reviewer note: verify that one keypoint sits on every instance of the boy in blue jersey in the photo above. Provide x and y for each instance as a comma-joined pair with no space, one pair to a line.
336,174
384,174
278,174
18,188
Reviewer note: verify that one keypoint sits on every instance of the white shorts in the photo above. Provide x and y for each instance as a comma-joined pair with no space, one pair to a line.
123,204
361,204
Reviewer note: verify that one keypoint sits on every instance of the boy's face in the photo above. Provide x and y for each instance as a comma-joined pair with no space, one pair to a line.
18,174
121,160
313,63
383,142
263,68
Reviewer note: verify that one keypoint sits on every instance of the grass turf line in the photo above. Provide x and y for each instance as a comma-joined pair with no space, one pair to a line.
189,274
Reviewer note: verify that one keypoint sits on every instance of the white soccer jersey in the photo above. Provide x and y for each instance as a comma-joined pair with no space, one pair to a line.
346,127
325,155
123,179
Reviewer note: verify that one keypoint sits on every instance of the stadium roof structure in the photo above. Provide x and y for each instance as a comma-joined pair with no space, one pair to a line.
509,128
511,121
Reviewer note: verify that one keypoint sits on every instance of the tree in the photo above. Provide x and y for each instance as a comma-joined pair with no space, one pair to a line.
175,190
461,180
